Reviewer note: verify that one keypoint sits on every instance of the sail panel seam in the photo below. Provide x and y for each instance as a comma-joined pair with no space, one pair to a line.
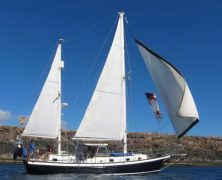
110,92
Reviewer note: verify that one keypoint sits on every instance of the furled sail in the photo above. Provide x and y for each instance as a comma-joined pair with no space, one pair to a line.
45,120
173,89
103,119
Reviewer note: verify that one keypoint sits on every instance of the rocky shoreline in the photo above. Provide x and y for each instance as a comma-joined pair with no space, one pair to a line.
200,150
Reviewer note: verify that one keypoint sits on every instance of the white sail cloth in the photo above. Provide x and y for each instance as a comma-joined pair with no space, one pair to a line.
103,119
45,119
173,89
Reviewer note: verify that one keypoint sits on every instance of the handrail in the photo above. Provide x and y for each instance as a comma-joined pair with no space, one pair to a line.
81,157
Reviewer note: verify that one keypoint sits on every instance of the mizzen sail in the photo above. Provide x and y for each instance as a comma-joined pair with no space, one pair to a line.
45,120
103,119
173,89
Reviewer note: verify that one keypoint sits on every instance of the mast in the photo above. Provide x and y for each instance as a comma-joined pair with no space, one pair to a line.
123,85
61,65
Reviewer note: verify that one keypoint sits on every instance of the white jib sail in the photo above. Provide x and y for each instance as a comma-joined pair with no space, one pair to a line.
45,120
173,89
103,119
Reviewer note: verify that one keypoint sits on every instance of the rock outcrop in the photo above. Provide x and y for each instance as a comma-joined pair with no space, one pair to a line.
199,149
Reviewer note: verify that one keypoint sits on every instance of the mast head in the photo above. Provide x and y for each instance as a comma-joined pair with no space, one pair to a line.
60,41
121,13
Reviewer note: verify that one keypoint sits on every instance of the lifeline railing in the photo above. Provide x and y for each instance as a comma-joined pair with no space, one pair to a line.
82,157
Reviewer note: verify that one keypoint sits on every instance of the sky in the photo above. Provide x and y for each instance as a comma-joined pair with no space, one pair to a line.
186,33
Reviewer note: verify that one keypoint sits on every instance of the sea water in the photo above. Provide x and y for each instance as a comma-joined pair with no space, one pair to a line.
17,171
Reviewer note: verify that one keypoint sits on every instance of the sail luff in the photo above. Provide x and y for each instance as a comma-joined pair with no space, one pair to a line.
173,89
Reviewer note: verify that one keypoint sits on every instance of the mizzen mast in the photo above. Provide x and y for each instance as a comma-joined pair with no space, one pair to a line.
61,66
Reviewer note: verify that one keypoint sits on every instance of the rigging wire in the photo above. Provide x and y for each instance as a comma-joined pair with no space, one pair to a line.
86,30
130,29
39,81
72,109
53,52
89,28
182,156
51,56
30,99
130,111
129,95
133,37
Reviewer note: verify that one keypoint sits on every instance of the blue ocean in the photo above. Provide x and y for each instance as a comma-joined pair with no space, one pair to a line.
17,171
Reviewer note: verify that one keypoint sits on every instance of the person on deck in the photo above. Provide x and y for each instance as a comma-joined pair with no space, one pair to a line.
49,149
24,153
32,149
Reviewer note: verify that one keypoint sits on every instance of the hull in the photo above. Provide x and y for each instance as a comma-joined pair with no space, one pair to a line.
134,167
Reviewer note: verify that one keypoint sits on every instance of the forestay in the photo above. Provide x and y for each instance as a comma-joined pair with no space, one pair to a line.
103,119
173,89
45,120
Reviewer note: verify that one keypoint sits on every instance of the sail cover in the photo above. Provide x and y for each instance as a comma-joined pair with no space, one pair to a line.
173,89
103,117
45,118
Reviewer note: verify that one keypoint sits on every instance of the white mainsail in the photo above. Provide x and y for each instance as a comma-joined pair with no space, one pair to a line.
45,120
105,117
173,89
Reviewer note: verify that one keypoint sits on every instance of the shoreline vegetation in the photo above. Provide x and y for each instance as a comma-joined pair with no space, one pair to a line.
201,151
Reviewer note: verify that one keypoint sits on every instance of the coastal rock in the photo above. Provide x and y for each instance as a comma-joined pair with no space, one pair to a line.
199,149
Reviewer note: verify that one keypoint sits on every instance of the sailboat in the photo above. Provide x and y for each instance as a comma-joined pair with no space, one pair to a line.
105,117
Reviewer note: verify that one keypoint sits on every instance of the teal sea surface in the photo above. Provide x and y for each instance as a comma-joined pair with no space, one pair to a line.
17,171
